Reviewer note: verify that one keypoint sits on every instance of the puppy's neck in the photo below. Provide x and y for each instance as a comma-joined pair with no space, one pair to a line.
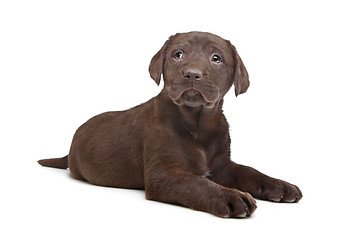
201,118
194,120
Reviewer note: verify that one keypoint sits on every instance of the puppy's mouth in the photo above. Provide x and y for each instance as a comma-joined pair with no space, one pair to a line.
193,98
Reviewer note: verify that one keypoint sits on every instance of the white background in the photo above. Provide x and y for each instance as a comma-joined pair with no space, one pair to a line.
62,62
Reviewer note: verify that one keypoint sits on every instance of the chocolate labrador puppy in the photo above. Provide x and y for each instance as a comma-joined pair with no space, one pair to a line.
176,146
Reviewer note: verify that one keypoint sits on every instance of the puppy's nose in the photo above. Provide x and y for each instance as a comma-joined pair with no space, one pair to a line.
193,74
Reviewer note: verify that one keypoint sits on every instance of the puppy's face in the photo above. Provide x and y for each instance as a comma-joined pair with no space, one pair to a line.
198,69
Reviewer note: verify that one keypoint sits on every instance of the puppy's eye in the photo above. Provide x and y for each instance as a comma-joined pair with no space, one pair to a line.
216,59
178,55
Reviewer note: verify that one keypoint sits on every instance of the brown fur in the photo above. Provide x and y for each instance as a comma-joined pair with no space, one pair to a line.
176,146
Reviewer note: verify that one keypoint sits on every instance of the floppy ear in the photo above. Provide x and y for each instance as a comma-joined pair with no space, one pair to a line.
157,62
241,76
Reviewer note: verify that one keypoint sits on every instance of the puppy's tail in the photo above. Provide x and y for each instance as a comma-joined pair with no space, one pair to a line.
55,162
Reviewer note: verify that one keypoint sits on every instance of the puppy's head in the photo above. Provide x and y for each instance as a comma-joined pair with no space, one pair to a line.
198,69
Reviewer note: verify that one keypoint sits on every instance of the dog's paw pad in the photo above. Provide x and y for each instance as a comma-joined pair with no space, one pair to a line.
276,199
244,215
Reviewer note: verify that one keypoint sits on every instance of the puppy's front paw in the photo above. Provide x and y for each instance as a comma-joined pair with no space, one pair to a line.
279,191
233,203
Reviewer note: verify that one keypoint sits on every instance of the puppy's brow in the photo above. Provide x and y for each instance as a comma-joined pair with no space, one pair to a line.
217,50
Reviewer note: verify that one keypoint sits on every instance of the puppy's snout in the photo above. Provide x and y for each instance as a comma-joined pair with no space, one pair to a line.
193,74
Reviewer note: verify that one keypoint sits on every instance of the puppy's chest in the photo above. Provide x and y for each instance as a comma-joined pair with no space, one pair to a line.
200,156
